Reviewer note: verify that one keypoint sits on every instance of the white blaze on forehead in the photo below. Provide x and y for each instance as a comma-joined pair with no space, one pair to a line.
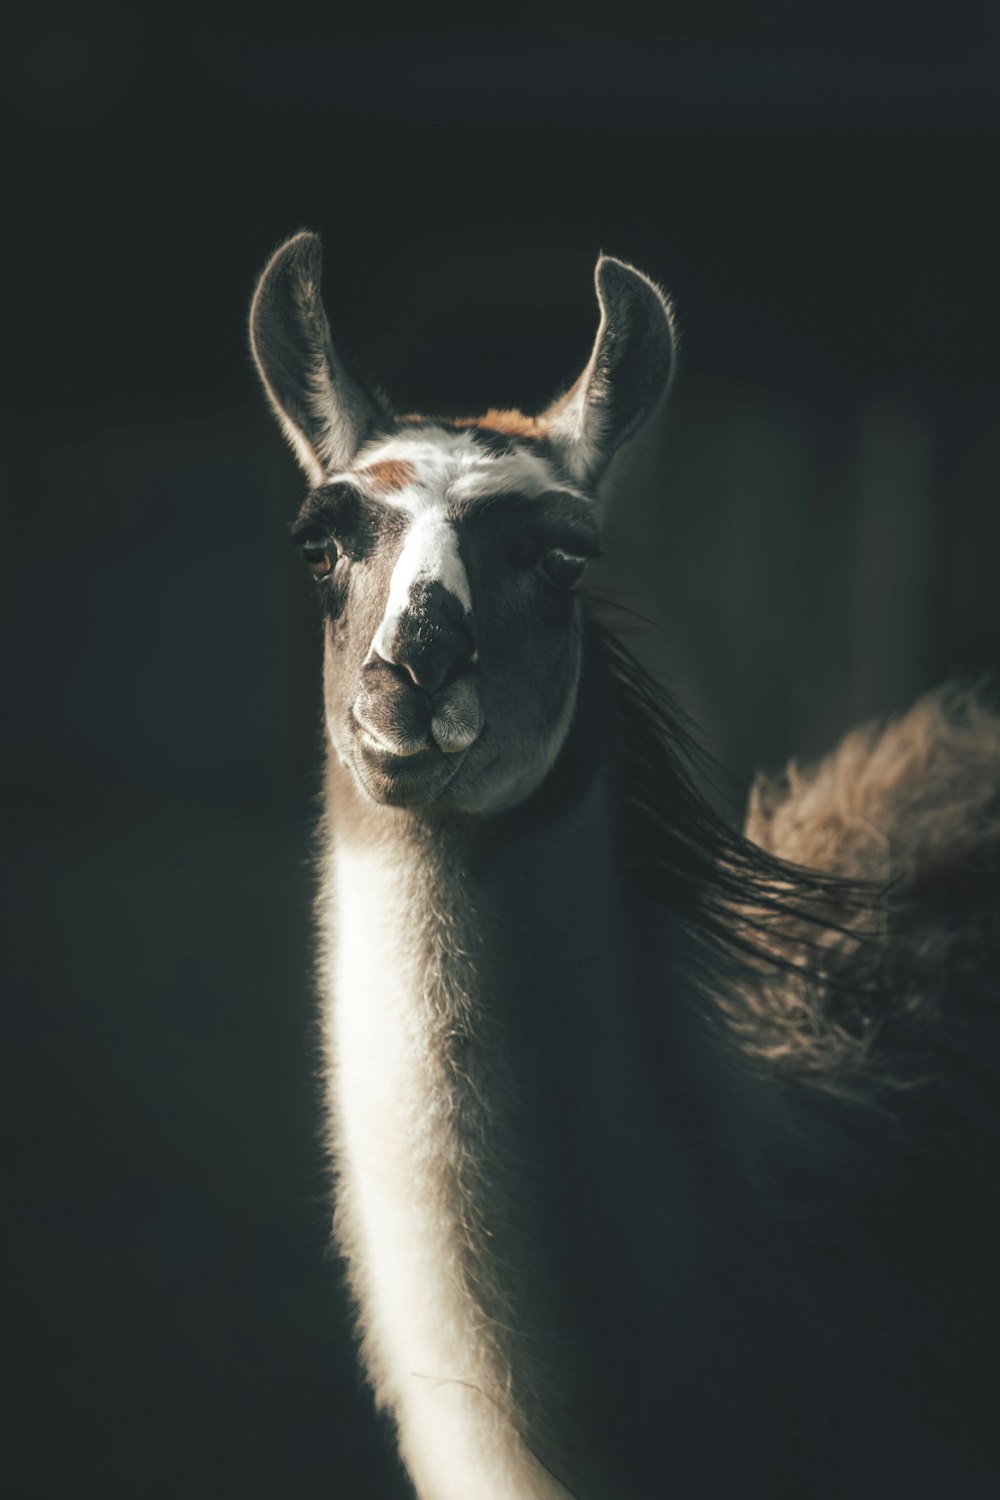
453,469
519,472
429,555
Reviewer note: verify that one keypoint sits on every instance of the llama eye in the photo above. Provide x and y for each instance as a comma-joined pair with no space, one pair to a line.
320,559
564,569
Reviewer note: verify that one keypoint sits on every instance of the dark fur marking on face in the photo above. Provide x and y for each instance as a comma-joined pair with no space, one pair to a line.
330,506
341,511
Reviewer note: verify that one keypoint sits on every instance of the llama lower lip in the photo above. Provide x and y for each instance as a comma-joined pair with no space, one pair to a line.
401,767
407,780
381,751
449,744
373,746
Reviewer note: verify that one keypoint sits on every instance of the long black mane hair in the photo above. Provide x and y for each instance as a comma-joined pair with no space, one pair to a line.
857,987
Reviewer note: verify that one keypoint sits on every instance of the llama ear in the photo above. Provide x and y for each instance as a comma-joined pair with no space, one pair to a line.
324,410
629,370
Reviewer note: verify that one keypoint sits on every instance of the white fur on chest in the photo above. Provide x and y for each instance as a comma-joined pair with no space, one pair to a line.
397,1147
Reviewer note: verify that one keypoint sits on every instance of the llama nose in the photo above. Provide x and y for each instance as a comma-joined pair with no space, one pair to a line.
429,647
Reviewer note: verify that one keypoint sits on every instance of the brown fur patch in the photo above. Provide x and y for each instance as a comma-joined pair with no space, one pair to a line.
893,802
390,474
512,423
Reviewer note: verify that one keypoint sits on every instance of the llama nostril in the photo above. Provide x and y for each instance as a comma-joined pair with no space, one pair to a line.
404,671
424,648
401,670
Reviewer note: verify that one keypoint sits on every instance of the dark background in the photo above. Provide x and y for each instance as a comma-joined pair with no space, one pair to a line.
815,528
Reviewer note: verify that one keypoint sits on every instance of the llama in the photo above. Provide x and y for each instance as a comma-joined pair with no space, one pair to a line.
665,1155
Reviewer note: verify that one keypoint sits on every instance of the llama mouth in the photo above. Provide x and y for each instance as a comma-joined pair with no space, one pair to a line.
394,737
408,781
449,733
406,726
403,751
401,774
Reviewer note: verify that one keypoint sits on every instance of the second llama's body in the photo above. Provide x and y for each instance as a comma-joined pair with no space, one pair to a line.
644,1139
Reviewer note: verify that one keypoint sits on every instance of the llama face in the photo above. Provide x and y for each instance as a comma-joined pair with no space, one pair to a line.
447,553
446,562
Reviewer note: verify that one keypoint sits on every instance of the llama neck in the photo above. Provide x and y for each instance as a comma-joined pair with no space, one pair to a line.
486,1090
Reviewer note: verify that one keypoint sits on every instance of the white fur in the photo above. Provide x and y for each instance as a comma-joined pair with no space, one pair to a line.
303,450
574,424
429,553
424,1344
452,469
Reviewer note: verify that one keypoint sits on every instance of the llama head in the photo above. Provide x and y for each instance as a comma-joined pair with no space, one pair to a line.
447,552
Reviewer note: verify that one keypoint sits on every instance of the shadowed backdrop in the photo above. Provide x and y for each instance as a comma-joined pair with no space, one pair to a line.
812,531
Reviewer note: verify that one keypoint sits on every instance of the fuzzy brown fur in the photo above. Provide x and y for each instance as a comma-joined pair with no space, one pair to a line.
512,423
912,808
389,474
908,801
